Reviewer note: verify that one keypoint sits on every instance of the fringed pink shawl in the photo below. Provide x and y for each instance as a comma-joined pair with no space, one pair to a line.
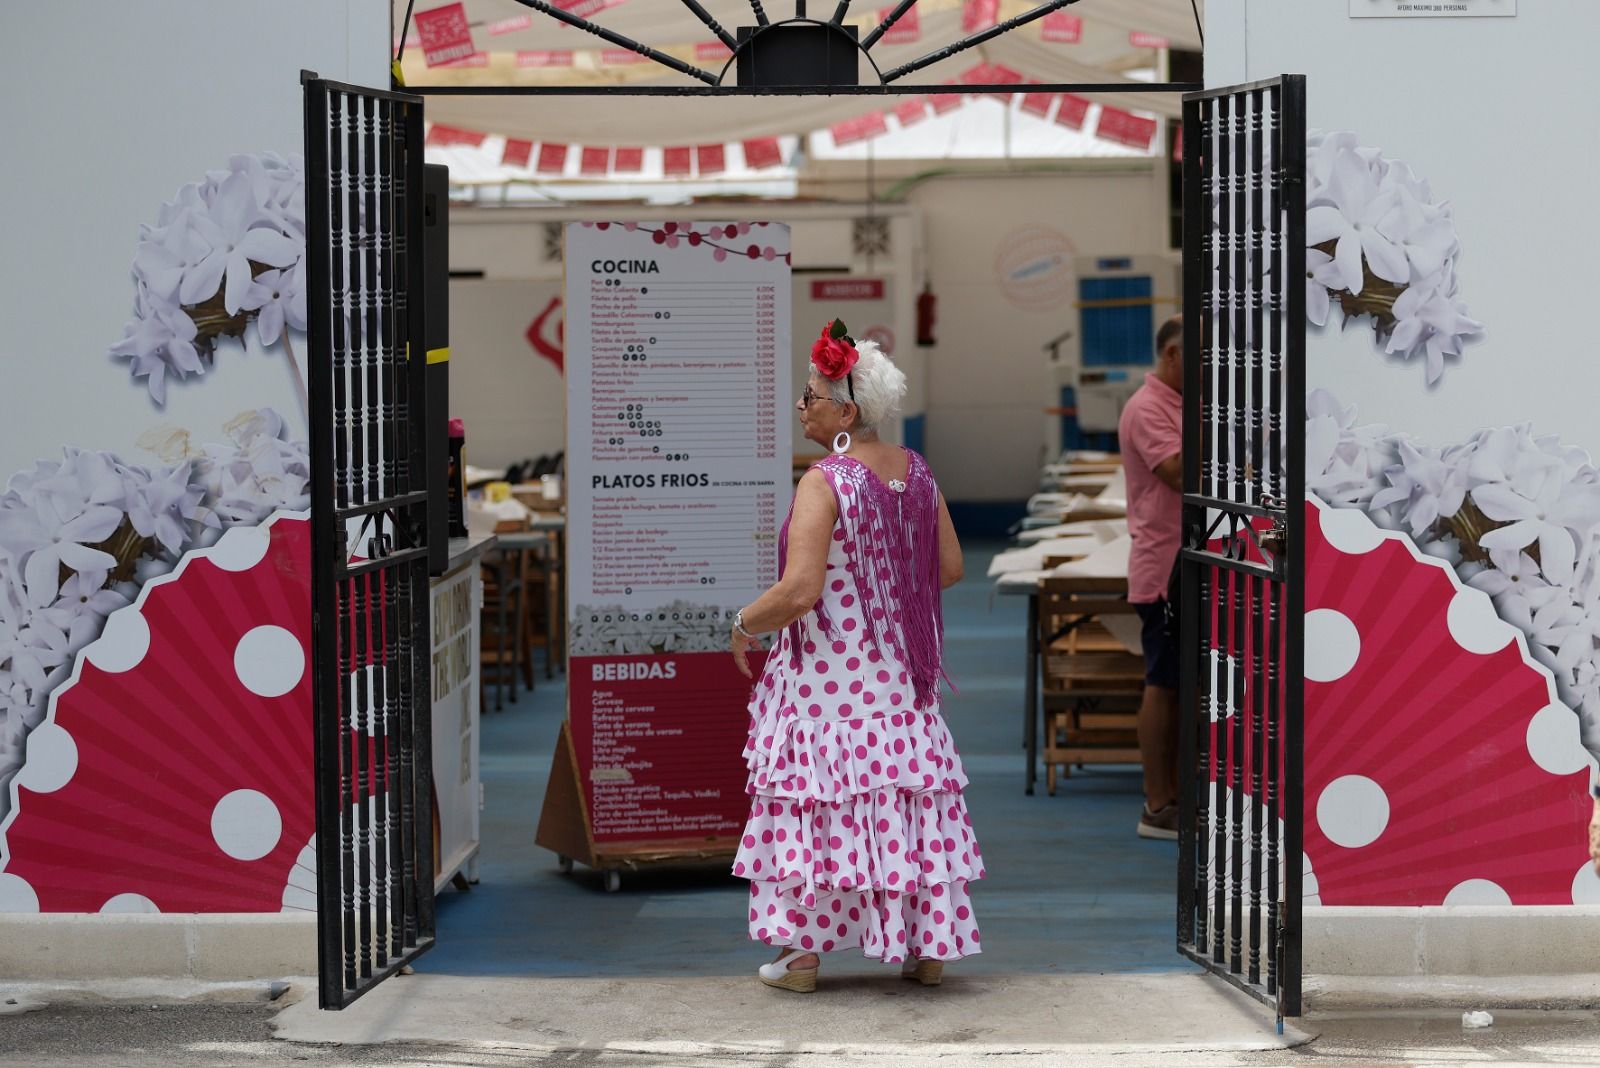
891,543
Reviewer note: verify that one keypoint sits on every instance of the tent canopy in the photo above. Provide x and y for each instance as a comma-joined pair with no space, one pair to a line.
1104,53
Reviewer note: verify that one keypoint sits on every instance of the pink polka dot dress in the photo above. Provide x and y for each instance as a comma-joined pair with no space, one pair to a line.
858,835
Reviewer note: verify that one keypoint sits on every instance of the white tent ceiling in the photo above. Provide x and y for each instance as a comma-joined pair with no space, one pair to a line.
1102,55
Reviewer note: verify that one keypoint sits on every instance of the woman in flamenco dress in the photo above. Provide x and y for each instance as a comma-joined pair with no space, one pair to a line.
858,836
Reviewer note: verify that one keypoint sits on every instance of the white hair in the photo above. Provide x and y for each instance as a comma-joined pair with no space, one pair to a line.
879,387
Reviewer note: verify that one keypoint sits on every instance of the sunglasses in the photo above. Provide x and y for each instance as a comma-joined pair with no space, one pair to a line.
808,396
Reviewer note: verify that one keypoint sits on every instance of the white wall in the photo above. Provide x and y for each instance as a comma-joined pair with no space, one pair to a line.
1491,112
989,379
513,401
111,108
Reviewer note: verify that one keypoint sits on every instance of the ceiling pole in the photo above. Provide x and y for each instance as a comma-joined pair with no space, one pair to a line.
974,40
618,39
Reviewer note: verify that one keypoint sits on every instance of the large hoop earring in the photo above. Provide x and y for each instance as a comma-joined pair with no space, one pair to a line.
843,435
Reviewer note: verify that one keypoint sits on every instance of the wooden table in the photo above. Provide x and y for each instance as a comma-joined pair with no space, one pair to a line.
546,538
1030,686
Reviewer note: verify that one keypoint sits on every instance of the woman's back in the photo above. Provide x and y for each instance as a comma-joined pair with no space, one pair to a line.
880,599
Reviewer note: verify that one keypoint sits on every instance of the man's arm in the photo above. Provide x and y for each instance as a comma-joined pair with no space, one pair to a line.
1170,471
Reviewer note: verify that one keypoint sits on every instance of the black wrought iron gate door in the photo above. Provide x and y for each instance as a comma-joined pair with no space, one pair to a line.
371,650
1242,560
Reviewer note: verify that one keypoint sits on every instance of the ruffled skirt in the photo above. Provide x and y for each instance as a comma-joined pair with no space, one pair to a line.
858,835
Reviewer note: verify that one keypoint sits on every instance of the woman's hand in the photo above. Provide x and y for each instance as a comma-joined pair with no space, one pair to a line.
739,645
1594,835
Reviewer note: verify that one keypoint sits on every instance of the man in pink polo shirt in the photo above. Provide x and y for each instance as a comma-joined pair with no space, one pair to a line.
1151,432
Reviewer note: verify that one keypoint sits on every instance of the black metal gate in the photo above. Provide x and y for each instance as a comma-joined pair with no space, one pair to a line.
1243,555
369,569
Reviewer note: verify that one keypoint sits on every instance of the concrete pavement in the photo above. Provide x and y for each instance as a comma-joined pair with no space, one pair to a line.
858,1012
80,1034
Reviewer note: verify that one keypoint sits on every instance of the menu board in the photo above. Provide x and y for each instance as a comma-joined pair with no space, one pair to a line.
678,474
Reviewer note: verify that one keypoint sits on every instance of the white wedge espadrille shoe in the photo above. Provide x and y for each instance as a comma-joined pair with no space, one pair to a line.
778,973
926,972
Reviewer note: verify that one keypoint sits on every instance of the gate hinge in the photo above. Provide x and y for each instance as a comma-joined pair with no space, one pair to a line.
1275,539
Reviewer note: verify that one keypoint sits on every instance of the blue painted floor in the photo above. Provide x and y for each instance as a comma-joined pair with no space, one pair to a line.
1070,887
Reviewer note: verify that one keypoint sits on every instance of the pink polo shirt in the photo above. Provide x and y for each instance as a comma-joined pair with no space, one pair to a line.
1151,431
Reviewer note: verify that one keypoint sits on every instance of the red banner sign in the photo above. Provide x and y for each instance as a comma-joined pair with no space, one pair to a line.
991,74
477,59
511,25
443,136
1125,128
710,159
544,59
945,102
712,52
585,8
1072,112
619,56
861,128
517,153
1061,27
1038,103
627,161
445,34
678,161
552,158
911,110
847,289
1140,39
594,161
762,152
907,30
979,15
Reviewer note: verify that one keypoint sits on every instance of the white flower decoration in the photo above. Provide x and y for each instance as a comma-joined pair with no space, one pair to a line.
1379,246
225,251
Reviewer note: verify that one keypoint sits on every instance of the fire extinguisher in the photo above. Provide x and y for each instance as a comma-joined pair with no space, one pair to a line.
927,315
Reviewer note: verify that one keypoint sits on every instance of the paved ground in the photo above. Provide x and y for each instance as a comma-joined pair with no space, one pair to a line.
857,1013
231,1035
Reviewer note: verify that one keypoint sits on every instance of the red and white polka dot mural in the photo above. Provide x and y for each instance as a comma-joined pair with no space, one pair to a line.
1440,767
174,771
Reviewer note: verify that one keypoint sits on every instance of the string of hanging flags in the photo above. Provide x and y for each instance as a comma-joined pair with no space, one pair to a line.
1112,124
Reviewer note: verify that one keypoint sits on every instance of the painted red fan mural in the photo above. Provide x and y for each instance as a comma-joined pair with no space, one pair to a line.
1440,766
174,772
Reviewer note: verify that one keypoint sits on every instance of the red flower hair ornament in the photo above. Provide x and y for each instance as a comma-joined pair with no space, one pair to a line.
834,354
